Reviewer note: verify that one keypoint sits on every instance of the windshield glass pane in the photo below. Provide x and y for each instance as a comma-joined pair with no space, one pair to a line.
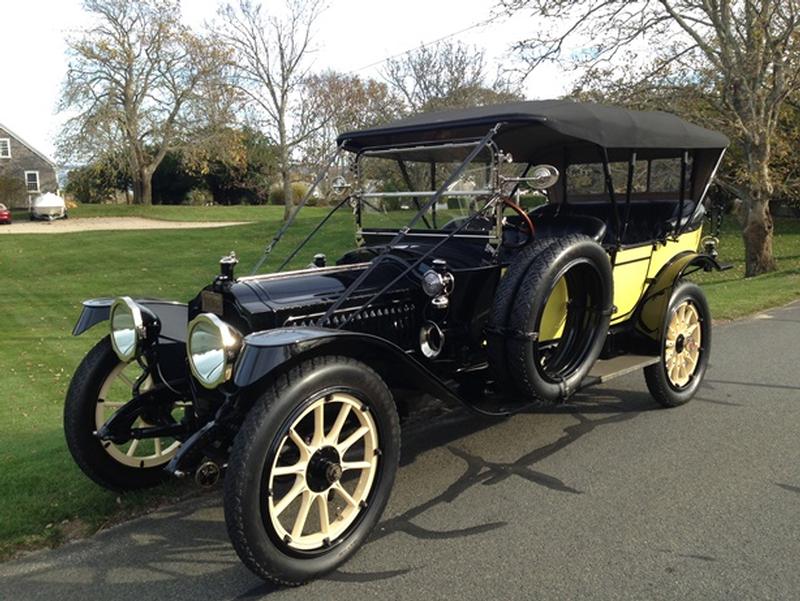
394,190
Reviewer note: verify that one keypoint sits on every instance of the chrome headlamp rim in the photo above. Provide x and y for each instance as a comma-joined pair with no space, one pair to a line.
231,345
139,329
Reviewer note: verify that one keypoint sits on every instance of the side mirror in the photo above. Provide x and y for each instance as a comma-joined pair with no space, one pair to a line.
542,177
340,185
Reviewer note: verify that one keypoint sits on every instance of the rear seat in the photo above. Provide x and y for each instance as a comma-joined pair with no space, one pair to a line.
649,220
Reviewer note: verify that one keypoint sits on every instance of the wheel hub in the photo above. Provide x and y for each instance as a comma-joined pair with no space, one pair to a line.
324,469
679,343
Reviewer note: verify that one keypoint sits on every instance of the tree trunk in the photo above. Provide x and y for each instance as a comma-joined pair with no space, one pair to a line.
757,234
757,225
142,187
287,193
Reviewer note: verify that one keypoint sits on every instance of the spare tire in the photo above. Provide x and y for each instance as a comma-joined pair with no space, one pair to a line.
501,309
570,285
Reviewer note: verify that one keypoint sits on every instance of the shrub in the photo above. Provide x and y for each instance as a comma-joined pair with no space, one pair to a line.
12,190
199,197
299,190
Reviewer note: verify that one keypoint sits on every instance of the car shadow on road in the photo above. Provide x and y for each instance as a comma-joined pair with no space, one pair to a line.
189,544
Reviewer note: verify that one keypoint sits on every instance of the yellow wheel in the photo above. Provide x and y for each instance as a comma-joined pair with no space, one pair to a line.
685,347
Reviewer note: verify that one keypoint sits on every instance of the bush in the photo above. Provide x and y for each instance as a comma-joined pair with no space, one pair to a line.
94,183
199,197
12,190
299,190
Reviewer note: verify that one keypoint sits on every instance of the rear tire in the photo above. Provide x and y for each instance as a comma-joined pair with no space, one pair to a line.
685,347
290,444
551,370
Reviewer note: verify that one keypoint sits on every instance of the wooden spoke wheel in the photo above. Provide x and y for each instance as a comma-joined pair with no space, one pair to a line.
685,347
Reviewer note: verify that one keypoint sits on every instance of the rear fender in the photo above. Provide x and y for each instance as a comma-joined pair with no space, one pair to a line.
172,315
650,319
266,353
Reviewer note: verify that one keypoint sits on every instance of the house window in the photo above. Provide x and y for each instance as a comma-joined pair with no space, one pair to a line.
32,181
5,148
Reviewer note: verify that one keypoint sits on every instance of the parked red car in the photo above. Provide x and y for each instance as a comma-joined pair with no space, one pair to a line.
5,214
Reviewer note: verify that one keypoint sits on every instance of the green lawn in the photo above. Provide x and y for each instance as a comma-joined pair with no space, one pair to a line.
46,277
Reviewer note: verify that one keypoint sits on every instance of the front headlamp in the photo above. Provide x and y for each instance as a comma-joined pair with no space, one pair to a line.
129,327
212,349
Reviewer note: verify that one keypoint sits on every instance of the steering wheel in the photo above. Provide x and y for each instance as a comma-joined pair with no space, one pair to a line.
523,230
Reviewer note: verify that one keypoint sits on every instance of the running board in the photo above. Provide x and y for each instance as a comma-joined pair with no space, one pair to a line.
608,369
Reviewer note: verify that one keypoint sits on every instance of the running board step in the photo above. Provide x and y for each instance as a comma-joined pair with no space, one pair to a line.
608,369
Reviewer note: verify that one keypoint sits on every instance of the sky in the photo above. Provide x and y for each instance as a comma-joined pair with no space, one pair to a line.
351,35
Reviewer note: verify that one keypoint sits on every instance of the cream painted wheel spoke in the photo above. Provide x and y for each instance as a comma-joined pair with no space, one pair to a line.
336,429
324,518
305,452
132,448
302,514
112,404
344,494
319,425
157,443
124,377
298,487
297,469
343,447
356,465
315,432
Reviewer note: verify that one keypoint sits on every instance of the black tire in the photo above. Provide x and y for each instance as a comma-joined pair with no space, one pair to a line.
586,269
501,309
258,447
79,425
659,383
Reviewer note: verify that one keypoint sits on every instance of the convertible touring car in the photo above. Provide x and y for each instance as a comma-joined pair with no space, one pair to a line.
505,255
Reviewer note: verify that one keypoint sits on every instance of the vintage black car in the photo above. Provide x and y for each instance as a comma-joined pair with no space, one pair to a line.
506,255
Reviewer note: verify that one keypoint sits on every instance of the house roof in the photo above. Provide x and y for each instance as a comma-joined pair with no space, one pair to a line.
28,146
533,126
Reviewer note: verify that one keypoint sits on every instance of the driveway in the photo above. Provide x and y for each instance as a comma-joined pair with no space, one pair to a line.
608,497
89,224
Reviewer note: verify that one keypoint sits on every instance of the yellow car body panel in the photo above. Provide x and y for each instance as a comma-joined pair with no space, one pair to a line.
633,268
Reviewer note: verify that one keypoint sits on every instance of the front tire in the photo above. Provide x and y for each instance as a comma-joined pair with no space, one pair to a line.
311,469
102,384
685,347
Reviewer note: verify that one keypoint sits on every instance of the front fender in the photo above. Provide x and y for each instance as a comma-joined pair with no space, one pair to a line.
172,315
654,303
264,353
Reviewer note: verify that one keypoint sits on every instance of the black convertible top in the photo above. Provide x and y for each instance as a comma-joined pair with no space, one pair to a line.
532,127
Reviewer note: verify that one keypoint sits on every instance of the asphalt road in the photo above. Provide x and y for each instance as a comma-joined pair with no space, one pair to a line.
608,497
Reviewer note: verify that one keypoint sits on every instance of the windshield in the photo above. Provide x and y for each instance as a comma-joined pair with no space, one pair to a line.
393,190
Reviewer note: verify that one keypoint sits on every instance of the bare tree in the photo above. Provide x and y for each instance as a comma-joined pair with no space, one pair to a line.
132,77
270,56
346,102
745,54
446,75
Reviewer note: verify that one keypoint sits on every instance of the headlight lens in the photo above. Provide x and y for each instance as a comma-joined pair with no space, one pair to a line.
127,328
433,283
212,348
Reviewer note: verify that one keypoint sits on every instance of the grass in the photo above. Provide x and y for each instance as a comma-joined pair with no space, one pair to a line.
44,496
